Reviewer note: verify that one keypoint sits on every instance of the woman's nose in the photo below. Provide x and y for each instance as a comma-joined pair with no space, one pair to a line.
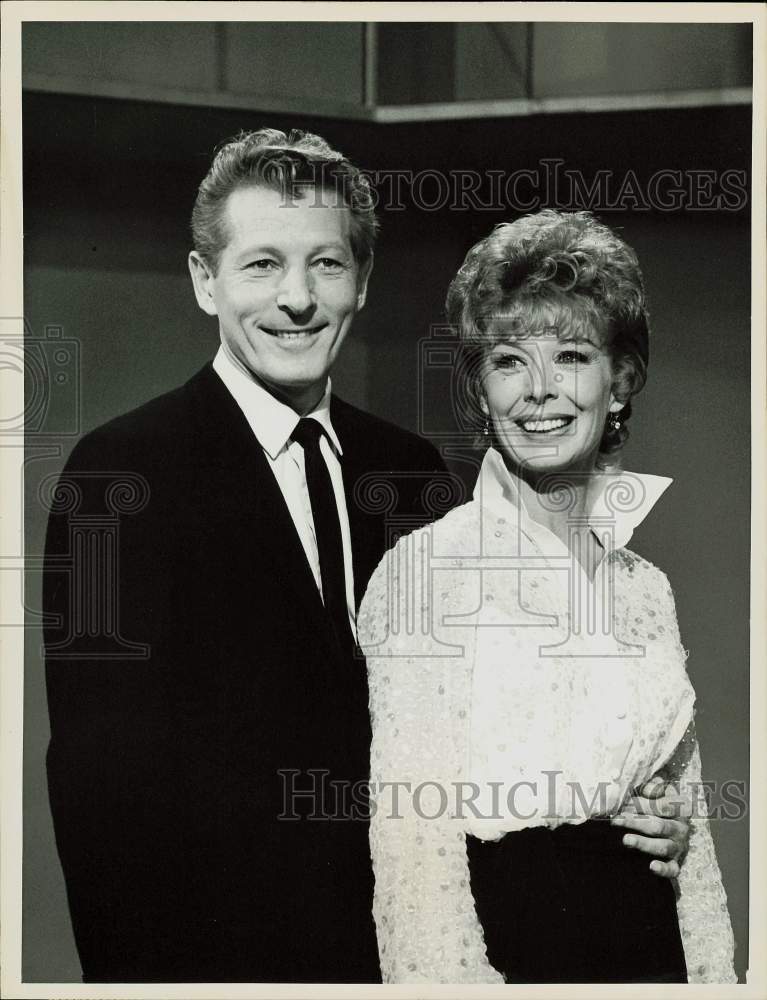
542,382
295,293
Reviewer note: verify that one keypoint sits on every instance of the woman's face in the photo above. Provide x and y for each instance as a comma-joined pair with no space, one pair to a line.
548,400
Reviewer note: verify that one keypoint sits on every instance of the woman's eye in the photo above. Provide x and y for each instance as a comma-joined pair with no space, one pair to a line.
572,358
507,362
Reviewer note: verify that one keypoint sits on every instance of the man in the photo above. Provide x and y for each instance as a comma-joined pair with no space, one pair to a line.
205,705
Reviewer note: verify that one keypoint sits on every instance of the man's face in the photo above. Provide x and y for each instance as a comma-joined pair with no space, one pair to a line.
286,289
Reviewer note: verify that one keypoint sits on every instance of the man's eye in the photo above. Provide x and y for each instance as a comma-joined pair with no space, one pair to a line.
264,265
329,264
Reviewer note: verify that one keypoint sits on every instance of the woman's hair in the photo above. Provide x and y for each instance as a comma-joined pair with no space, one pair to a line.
291,164
560,271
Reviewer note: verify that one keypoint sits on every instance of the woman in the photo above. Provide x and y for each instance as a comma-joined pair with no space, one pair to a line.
526,671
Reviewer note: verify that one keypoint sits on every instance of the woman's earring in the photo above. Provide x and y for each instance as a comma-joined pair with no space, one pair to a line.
614,422
486,428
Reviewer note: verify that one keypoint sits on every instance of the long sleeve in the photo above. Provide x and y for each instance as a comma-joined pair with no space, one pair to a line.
704,919
426,922
113,766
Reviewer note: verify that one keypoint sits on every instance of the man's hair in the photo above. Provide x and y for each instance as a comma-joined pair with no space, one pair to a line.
293,165
554,272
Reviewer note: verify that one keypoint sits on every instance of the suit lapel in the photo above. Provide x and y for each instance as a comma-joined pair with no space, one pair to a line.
240,488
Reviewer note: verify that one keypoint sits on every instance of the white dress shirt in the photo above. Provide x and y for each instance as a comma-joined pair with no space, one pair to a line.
273,423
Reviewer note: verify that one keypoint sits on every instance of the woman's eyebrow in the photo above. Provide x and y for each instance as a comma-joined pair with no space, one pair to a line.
579,340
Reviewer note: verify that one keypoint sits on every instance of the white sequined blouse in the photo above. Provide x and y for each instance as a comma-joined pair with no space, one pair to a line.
507,690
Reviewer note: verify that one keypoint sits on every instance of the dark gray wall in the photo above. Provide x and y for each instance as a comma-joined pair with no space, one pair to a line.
322,62
108,189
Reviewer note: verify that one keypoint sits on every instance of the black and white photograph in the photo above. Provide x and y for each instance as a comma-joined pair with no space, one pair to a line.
382,505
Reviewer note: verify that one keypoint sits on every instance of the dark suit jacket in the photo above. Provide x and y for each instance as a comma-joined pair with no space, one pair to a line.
193,680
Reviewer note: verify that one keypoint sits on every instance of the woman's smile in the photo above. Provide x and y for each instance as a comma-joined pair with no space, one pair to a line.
544,425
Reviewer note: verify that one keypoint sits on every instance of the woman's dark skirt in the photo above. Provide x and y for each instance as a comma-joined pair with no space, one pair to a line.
574,905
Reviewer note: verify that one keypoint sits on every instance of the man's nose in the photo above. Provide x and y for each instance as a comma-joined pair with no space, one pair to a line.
542,383
296,294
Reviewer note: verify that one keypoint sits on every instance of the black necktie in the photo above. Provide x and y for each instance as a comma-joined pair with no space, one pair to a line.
327,530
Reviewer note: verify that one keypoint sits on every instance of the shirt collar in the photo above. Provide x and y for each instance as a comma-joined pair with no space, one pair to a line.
271,421
620,499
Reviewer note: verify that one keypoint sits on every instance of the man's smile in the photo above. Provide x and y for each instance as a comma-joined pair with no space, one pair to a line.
291,333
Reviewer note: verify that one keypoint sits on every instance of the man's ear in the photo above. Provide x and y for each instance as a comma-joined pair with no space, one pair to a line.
202,279
362,281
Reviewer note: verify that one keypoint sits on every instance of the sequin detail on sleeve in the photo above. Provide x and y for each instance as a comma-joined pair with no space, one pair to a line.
704,919
426,922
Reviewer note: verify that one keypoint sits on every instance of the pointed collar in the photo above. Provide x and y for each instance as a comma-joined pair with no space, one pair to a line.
271,421
619,498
